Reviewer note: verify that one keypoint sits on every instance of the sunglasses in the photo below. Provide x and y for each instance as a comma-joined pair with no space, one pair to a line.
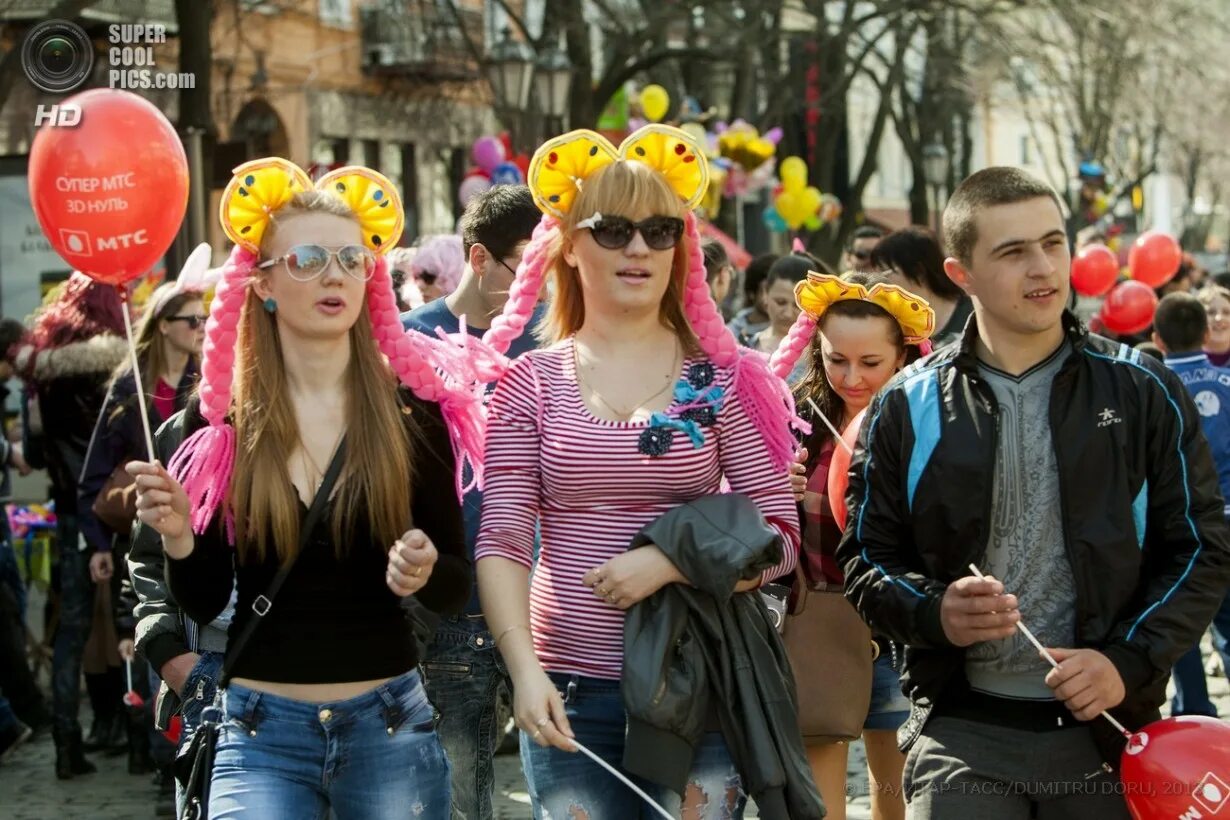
305,262
861,256
426,277
614,232
193,321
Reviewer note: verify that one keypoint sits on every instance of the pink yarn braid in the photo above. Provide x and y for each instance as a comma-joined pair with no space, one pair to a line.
792,347
765,397
523,295
415,359
203,463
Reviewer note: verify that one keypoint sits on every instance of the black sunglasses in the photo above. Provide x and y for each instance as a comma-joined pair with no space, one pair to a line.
861,256
193,321
614,232
426,277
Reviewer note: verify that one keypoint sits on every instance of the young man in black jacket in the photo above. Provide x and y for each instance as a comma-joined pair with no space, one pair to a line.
1073,472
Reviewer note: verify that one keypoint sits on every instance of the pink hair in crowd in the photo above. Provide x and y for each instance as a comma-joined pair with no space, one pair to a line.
443,255
204,463
792,347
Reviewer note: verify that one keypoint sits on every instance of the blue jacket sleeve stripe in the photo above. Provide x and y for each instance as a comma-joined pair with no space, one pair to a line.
1187,496
1140,510
922,392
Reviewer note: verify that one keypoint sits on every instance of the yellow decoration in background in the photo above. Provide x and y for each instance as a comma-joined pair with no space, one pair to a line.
655,102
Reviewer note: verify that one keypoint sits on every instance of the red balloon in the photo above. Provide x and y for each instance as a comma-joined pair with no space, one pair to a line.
1177,767
1094,270
111,191
1129,308
839,470
1155,258
133,698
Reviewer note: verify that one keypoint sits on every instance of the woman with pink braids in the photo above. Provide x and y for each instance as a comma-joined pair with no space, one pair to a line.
852,335
638,406
306,462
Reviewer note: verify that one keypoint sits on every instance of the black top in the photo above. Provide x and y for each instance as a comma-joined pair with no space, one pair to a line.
336,621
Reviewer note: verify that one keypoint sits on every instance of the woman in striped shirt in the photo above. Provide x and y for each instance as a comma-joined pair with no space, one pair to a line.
631,409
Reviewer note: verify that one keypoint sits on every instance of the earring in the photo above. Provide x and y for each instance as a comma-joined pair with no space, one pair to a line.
271,305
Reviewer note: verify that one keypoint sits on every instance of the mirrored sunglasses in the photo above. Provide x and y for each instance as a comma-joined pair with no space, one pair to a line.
305,262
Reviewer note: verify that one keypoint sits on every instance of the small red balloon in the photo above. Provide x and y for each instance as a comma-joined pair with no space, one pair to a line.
1155,258
111,191
1129,308
839,470
1094,270
1177,767
133,699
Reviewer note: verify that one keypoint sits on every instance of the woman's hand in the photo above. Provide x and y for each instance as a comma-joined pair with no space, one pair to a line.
798,474
161,501
632,576
539,710
411,560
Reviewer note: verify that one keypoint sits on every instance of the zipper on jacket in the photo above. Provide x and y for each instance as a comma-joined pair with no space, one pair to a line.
200,689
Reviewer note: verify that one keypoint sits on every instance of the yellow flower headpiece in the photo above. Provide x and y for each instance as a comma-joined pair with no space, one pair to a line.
818,291
561,166
261,187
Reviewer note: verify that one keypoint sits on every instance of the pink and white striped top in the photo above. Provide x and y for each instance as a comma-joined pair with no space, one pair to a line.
589,488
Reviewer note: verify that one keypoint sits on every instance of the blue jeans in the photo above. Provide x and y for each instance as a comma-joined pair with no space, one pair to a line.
372,757
1191,696
76,615
564,784
199,689
465,676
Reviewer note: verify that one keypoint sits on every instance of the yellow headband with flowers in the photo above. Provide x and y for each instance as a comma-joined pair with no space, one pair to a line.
819,291
560,166
261,187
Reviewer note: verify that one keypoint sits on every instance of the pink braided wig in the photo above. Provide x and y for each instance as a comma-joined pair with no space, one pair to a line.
797,340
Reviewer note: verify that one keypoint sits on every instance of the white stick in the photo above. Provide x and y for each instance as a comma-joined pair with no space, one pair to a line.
829,424
128,670
625,780
1051,658
136,374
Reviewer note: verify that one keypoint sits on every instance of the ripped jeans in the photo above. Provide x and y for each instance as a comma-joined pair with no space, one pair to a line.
567,786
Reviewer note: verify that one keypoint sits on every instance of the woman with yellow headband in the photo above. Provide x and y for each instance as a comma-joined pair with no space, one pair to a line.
323,492
853,334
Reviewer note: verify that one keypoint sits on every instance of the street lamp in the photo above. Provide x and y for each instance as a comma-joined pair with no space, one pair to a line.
552,82
510,69
935,170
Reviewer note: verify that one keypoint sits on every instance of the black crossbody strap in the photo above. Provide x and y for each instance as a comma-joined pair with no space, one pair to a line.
263,603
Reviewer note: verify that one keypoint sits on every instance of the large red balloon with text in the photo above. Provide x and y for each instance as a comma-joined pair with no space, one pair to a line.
1154,258
1094,270
1178,767
1129,308
109,184
839,470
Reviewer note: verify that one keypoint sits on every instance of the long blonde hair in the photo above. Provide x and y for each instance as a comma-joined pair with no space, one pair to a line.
624,189
376,475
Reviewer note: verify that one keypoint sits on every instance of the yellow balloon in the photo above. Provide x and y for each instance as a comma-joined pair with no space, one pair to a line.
655,102
791,208
811,200
759,151
793,172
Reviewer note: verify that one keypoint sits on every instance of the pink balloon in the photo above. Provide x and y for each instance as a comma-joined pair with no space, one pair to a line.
774,135
471,187
488,152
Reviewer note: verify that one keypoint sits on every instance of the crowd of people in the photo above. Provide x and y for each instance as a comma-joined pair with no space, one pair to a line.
572,464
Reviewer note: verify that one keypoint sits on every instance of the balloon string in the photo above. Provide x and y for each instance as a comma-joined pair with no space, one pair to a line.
625,780
136,374
829,425
128,670
1051,658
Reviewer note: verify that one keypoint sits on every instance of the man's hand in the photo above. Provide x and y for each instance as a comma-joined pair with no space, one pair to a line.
127,649
798,474
17,459
101,567
976,610
1086,681
175,671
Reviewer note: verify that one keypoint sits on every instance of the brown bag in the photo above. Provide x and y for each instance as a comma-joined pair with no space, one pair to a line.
116,504
831,654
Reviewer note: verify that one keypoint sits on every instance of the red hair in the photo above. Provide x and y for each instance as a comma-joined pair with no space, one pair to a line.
83,310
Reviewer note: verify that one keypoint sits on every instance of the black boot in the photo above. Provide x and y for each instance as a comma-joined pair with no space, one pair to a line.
139,760
70,757
101,729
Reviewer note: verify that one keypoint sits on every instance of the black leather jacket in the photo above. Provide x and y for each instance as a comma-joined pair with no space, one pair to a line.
691,652
1141,510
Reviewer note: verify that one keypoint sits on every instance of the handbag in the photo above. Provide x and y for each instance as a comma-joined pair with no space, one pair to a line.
831,654
194,764
116,503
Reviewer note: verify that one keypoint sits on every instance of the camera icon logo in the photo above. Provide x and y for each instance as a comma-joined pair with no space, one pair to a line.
57,56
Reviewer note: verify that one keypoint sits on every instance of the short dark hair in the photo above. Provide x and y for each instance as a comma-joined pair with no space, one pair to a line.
793,268
715,257
999,185
498,219
11,333
756,272
864,232
916,253
1181,322
1222,278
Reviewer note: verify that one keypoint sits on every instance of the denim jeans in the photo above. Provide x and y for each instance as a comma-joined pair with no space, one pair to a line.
1191,695
465,676
565,784
199,689
76,615
372,757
